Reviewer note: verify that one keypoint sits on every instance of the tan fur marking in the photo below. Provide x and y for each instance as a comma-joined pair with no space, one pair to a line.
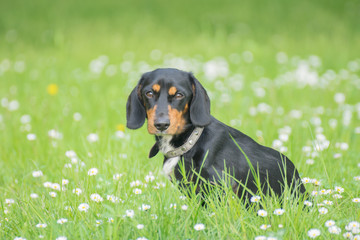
172,90
156,87
151,118
186,108
177,121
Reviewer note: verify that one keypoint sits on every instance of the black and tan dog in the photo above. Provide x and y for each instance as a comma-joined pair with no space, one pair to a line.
177,109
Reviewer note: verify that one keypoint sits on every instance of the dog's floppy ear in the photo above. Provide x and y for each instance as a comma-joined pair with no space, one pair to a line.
200,104
135,110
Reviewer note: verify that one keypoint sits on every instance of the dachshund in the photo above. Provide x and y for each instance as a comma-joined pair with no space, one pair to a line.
177,109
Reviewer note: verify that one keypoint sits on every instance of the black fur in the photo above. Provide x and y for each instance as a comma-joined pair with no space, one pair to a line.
200,105
135,110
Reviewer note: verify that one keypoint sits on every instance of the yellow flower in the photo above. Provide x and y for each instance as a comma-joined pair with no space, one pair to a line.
52,89
120,127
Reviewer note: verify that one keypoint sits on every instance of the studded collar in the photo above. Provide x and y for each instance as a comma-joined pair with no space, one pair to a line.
190,142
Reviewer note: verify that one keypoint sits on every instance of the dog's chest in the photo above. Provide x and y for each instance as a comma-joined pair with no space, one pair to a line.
170,163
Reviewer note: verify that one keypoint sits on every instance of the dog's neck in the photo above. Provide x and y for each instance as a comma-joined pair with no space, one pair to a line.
175,140
167,143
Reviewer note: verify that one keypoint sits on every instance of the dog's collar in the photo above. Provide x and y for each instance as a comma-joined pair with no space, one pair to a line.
190,142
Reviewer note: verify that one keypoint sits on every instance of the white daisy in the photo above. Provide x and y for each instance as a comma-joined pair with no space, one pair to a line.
112,198
38,173
352,225
34,195
149,178
279,211
67,165
306,180
199,227
262,213
64,182
117,176
348,235
265,226
77,116
98,222
77,191
255,199
135,183
52,194
314,193
96,197
310,161
55,186
70,154
25,119
137,191
334,230
68,208
92,137
61,238
62,221
93,171
339,189
83,207
329,223
9,201
323,210
313,233
31,137
130,213
337,196
145,207
41,225
339,98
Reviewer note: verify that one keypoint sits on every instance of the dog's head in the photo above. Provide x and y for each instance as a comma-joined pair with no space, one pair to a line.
172,100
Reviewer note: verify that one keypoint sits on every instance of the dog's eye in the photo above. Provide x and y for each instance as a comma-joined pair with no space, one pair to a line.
149,94
179,95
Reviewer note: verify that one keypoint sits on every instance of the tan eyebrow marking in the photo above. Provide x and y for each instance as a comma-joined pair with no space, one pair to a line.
172,90
156,87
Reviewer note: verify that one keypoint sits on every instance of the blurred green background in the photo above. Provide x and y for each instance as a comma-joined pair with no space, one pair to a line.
95,51
59,42
83,29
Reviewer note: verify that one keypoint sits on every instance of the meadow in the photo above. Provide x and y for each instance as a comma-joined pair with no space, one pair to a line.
286,73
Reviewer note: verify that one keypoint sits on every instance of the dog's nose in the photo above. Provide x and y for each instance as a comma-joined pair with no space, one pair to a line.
162,125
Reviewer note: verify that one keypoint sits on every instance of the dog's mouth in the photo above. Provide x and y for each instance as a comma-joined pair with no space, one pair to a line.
162,133
157,132
171,131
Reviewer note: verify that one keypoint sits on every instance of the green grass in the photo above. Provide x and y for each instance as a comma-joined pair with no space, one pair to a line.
43,43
